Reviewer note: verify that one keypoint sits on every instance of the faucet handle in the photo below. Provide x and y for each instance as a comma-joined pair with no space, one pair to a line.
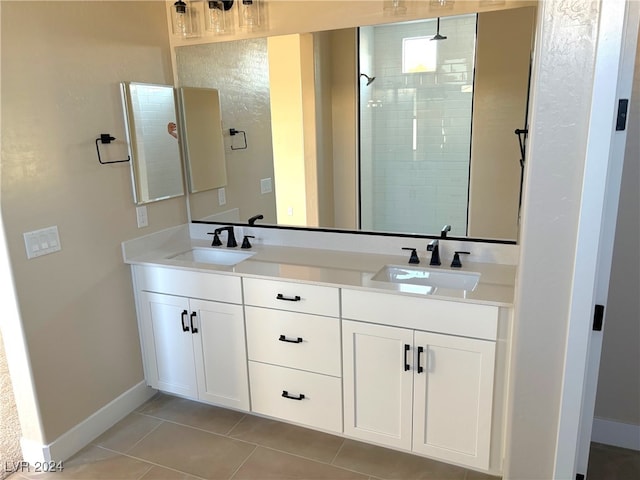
414,255
456,263
216,239
245,241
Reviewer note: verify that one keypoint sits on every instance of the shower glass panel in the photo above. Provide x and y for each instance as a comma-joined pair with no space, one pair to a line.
415,125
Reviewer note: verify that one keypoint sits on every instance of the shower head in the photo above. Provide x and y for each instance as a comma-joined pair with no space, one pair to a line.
437,36
369,79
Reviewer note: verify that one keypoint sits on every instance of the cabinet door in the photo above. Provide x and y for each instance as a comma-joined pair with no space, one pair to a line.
221,355
378,382
453,397
168,346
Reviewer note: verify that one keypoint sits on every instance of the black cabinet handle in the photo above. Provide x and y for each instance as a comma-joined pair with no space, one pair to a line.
285,394
184,317
285,339
420,352
406,354
193,329
288,299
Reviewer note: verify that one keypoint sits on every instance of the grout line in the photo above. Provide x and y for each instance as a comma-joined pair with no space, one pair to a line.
243,462
146,471
337,453
153,464
145,436
228,434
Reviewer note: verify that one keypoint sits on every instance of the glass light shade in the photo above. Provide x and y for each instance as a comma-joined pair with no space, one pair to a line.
181,19
249,14
216,17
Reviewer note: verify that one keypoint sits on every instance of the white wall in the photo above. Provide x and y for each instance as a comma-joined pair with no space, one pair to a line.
62,63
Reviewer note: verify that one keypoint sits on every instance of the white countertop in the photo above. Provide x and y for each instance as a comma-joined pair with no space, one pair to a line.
332,268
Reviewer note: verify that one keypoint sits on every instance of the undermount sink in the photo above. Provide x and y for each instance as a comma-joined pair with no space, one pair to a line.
212,256
408,275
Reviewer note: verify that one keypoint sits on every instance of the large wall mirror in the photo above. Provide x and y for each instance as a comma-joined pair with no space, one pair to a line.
342,132
150,117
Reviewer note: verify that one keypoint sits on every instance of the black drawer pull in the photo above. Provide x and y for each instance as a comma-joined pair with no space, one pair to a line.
184,317
193,329
288,299
285,394
285,339
406,361
420,352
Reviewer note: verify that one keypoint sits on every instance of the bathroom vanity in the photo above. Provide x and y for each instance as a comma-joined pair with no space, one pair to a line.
329,340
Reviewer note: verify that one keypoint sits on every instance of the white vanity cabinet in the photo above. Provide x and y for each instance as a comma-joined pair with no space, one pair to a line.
293,339
192,331
410,388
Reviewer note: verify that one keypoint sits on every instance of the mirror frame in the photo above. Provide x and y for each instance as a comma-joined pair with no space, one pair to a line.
133,145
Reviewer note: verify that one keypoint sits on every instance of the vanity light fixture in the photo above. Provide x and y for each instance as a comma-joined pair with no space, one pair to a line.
441,3
105,139
181,17
250,14
216,17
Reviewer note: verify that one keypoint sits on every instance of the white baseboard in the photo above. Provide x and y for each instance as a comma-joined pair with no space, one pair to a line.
79,436
614,433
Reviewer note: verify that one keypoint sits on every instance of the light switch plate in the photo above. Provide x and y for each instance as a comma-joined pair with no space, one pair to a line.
42,242
141,216
222,196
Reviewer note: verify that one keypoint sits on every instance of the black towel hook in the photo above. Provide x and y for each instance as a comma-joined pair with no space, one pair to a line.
106,138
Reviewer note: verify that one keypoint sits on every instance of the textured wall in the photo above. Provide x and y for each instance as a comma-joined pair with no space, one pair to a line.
9,424
62,63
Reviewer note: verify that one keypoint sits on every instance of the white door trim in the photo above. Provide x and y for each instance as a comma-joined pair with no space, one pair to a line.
600,192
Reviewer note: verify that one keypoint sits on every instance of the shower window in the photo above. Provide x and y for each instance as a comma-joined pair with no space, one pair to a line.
415,144
419,54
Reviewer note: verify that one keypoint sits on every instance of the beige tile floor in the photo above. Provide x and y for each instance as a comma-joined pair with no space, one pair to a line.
172,438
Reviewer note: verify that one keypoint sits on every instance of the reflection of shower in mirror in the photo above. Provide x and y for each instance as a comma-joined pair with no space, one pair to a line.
369,79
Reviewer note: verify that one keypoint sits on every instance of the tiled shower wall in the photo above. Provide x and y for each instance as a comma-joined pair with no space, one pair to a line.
416,186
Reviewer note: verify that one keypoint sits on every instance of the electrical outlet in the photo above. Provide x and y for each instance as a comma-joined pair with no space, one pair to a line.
141,216
222,196
266,185
290,211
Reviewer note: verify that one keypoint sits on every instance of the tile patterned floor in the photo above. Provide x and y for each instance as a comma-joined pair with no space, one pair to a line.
170,438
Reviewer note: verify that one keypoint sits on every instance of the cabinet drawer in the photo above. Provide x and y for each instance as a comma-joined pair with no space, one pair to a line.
296,297
320,403
291,339
441,316
207,286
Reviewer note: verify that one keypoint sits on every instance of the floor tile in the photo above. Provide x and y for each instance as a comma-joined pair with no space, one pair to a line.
195,414
473,475
94,463
612,463
265,464
126,433
160,473
390,464
288,438
192,451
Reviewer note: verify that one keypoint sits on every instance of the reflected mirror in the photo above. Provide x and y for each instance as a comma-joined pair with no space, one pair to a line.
201,138
306,101
150,118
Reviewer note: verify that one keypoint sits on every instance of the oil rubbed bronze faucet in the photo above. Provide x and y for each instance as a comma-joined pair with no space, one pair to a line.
231,238
434,248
